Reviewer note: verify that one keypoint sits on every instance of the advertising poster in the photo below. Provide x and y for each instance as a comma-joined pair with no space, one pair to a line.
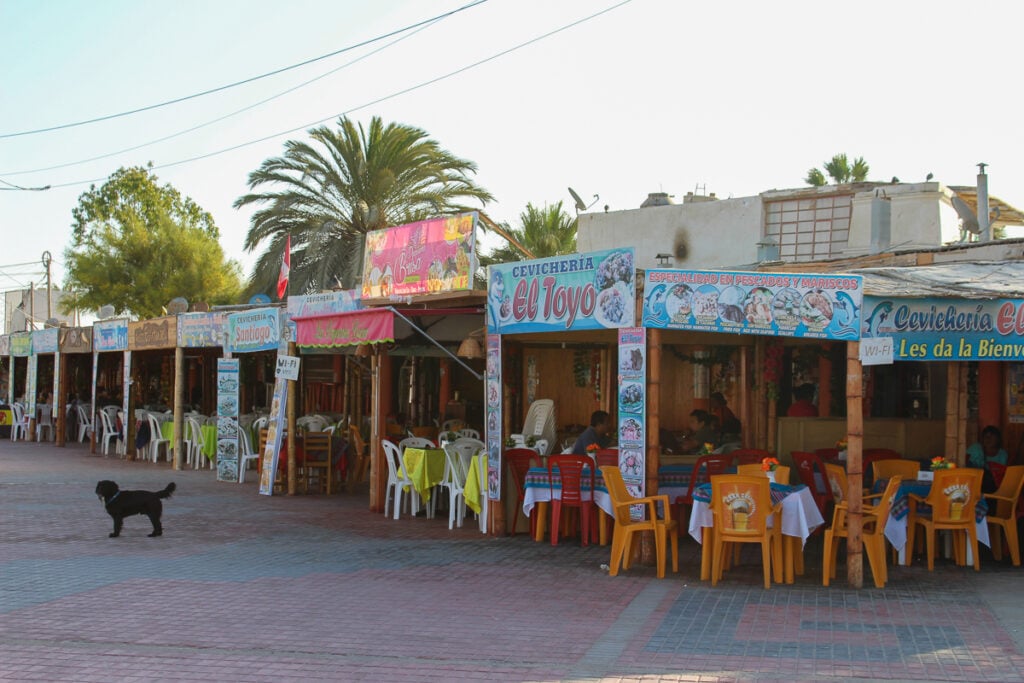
110,335
632,385
125,387
948,329
45,341
811,305
227,419
592,291
275,427
435,255
30,385
198,330
492,436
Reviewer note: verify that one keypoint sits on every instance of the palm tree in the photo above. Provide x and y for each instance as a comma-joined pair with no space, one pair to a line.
840,171
547,231
329,192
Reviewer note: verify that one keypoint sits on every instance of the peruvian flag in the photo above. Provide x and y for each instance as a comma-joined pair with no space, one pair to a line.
286,264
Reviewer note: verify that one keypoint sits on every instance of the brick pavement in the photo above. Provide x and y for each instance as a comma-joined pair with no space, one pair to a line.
243,587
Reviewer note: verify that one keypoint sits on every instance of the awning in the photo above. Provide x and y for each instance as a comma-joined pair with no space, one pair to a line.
351,328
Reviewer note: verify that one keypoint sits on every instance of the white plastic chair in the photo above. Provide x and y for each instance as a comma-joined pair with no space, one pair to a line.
155,437
455,481
415,442
247,454
121,447
109,432
45,421
84,423
312,423
198,442
398,482
469,434
540,424
469,445
19,425
451,425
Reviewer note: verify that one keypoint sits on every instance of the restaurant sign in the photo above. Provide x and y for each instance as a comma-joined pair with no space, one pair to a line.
110,335
75,339
45,341
198,330
158,333
434,255
948,329
777,304
591,291
341,301
369,326
258,330
21,344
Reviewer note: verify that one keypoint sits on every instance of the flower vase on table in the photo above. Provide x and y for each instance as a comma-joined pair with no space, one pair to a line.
768,465
841,447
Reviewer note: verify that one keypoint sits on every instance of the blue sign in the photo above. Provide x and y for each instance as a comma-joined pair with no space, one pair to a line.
258,330
776,304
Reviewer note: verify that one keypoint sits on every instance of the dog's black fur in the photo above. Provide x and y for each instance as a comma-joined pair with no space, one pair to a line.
120,504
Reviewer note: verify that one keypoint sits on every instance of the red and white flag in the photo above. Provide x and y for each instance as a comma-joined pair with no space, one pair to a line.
286,264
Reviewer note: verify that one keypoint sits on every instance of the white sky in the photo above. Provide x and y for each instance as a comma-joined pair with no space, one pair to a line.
656,95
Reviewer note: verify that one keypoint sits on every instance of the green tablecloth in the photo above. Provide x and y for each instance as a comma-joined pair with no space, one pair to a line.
209,437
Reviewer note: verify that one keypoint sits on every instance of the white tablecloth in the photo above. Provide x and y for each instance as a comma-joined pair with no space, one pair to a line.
800,516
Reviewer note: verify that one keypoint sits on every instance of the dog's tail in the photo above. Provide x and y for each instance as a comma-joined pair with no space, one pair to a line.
166,493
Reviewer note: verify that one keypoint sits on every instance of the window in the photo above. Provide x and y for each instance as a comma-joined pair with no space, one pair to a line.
809,229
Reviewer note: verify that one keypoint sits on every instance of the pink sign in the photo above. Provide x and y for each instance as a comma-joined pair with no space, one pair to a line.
346,329
435,255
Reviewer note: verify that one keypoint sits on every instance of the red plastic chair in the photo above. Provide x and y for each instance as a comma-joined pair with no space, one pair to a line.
519,462
705,466
573,470
607,456
749,456
827,454
807,465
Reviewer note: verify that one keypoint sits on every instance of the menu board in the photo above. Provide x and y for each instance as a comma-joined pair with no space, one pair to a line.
492,433
227,419
632,389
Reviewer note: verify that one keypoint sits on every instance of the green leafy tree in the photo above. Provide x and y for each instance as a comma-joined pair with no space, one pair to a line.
137,244
327,193
840,170
544,231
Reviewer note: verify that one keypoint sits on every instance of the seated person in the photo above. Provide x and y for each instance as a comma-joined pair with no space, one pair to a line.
803,406
988,450
703,429
727,420
597,432
668,441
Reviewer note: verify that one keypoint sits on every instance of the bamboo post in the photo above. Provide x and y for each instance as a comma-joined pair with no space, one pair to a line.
759,407
953,389
179,406
380,396
653,410
60,401
854,464
290,413
745,402
961,442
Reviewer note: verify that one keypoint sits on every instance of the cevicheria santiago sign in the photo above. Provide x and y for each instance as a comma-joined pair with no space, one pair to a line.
948,329
814,305
590,291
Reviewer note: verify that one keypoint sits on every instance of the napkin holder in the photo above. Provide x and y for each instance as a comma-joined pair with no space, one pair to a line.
926,475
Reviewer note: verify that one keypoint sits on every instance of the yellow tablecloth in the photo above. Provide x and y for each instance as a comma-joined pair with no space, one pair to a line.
209,437
474,496
425,467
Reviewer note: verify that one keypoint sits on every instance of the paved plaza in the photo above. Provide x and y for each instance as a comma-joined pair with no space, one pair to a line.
243,587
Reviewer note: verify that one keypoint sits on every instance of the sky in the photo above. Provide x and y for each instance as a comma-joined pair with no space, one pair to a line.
729,97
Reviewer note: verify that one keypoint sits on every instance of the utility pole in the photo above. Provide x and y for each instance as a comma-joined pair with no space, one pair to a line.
49,292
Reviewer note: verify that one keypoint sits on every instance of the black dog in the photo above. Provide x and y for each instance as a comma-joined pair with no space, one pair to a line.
120,504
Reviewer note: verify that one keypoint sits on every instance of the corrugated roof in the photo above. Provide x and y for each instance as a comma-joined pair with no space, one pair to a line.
966,280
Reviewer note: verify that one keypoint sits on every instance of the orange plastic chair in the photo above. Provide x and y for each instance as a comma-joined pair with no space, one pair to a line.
362,455
573,470
1003,515
624,535
952,499
807,465
520,460
705,467
884,469
871,455
741,506
872,534
752,470
749,456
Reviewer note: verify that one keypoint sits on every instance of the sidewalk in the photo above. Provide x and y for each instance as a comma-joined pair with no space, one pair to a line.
243,587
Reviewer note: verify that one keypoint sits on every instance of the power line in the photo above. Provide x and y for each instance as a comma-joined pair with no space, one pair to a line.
18,188
242,82
225,116
385,98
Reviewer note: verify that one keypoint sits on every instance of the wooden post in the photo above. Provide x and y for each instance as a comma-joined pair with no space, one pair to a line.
961,441
745,403
60,401
293,469
380,400
949,449
854,464
653,460
760,400
179,406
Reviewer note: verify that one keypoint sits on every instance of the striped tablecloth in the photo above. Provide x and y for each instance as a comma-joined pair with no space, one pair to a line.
539,488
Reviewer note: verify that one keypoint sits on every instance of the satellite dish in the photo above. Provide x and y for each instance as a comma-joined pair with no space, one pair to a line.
178,304
580,205
106,311
259,299
52,322
967,217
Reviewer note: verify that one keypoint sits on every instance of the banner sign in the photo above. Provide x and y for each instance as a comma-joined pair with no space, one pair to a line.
346,329
632,386
287,367
45,341
75,340
110,335
258,330
227,419
492,433
434,255
275,427
777,304
948,329
876,351
326,302
591,291
201,330
21,344
158,333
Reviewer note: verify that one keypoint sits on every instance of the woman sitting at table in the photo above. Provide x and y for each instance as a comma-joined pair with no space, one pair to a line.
703,429
989,450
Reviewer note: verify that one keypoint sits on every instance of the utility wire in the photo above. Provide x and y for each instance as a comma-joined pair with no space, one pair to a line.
242,82
385,98
18,188
225,116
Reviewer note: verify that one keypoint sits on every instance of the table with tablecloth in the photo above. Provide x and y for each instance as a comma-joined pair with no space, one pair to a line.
476,497
209,433
539,487
896,525
425,467
800,517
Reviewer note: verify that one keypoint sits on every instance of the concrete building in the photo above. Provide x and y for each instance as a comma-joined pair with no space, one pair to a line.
26,309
